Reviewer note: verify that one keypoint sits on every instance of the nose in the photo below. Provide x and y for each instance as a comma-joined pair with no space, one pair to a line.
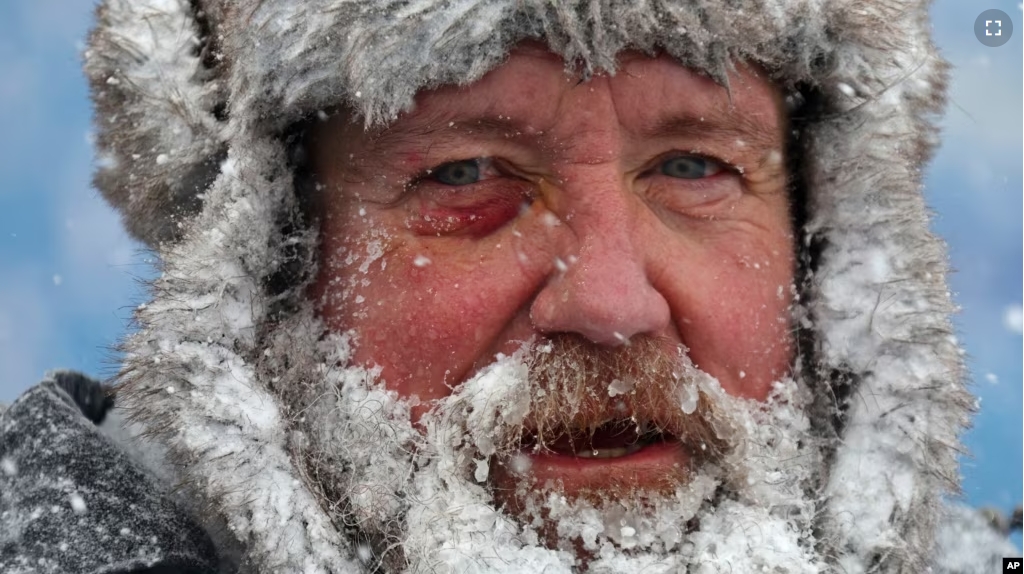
603,293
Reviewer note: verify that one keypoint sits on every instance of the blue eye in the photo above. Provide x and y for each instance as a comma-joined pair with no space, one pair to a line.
689,167
463,172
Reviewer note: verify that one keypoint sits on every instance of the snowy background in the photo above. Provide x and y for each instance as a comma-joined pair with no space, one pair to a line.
69,274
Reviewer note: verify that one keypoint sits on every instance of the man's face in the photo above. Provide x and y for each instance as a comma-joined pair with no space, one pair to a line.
645,210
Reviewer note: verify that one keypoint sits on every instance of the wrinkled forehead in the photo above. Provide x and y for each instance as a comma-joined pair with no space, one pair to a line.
535,92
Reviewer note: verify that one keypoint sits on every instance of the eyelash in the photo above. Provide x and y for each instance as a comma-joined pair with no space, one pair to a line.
498,192
723,167
483,164
491,164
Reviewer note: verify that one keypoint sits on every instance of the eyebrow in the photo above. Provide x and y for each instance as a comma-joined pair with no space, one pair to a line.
483,126
722,124
719,124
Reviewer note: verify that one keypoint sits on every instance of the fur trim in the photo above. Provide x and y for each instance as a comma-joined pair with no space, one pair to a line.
157,100
877,302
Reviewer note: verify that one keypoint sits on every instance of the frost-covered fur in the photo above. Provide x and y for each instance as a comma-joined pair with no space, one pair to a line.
193,98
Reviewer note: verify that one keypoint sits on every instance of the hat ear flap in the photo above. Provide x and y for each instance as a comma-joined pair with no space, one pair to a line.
155,76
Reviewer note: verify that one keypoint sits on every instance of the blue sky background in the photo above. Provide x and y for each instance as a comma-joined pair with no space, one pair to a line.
69,274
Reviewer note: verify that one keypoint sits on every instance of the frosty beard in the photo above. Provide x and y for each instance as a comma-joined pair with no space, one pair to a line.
453,493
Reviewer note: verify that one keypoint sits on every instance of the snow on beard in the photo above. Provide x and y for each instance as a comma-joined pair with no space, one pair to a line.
455,495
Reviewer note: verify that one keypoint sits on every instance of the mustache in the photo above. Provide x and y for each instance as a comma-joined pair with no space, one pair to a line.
647,388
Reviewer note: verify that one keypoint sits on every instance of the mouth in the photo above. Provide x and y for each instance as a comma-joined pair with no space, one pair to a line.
612,440
620,452
610,459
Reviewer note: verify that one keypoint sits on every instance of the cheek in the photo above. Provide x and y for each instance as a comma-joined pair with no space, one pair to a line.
752,341
409,318
425,312
734,315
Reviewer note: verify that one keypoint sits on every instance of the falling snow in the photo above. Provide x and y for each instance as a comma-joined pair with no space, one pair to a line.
77,503
1013,319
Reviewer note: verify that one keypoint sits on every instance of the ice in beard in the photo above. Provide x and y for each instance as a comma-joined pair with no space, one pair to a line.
602,469
429,506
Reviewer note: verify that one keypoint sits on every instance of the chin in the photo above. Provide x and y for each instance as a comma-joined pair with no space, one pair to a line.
620,515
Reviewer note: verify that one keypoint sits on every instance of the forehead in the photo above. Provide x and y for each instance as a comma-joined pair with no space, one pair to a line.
533,92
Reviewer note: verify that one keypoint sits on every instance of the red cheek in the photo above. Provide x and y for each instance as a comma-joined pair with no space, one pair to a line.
419,334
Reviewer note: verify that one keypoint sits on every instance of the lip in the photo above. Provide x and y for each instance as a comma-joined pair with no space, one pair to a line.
654,466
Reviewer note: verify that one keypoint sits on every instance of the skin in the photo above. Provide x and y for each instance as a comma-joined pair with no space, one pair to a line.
580,223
